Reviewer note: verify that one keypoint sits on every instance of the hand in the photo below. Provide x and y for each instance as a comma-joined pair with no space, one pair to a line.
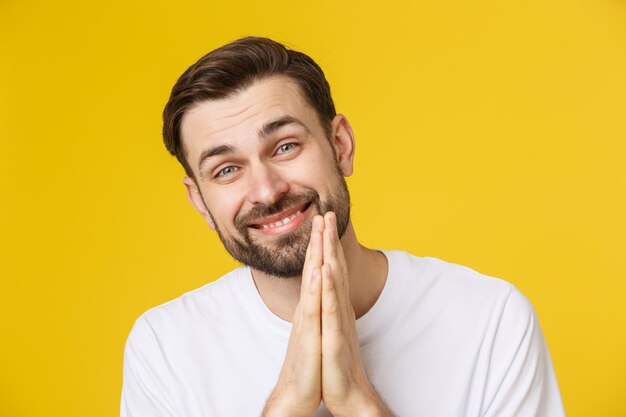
346,389
323,359
298,391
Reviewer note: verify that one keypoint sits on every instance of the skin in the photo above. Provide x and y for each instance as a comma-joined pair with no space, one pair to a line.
341,279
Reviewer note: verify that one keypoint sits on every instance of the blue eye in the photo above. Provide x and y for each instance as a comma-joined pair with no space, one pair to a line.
224,172
286,147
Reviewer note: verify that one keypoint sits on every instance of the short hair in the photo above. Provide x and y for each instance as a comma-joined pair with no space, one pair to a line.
232,68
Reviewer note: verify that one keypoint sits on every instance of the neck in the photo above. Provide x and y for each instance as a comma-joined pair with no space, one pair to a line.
367,271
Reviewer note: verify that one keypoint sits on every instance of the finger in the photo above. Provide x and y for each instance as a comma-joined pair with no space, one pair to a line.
316,241
314,253
330,243
333,254
312,304
332,224
331,221
314,226
330,230
331,322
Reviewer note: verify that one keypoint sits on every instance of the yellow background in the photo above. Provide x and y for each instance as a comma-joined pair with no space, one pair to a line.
489,133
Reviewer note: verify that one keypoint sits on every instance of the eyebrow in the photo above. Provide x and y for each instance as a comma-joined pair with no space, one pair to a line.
266,130
271,127
215,151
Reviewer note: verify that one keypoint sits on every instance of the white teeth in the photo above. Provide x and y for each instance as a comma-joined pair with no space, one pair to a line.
283,221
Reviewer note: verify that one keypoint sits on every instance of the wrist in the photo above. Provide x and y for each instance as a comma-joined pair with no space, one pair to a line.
280,404
364,403
283,410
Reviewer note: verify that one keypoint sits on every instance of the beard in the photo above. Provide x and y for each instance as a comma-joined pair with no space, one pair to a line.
284,256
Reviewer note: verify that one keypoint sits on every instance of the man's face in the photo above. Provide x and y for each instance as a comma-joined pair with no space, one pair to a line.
264,167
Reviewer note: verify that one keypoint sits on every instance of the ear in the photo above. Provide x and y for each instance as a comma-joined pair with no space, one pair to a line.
196,200
343,142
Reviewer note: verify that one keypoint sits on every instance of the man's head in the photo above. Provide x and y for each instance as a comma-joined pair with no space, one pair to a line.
232,68
255,128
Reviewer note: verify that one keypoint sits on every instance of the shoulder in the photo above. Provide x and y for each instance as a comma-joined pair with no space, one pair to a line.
456,289
441,276
199,307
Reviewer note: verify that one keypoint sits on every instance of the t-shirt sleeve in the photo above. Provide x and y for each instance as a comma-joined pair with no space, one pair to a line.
521,376
144,388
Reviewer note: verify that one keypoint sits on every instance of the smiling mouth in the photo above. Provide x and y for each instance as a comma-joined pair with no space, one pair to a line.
277,222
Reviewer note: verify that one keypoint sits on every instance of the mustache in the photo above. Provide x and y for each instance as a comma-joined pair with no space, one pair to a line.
289,200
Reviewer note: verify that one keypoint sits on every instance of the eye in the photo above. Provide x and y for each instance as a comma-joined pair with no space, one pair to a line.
225,172
286,147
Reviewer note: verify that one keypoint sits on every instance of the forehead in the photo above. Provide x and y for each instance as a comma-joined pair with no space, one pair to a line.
240,116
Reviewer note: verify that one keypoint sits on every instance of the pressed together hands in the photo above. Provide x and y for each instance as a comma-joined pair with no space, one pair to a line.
323,360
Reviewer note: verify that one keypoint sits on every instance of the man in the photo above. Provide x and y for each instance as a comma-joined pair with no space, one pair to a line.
316,324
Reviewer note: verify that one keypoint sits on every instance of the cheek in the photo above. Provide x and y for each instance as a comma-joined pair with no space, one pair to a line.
224,207
323,177
314,167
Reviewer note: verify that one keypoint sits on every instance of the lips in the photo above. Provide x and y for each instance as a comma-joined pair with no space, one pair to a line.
284,222
281,218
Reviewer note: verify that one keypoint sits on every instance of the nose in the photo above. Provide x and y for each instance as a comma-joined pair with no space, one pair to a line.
266,185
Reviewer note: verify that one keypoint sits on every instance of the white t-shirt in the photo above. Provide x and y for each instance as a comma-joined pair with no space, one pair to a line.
441,340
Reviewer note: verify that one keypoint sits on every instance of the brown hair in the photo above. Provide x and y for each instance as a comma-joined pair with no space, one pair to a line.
232,68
